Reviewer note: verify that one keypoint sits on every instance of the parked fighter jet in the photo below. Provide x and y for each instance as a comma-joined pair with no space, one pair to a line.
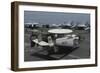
54,25
82,26
66,25
27,25
32,25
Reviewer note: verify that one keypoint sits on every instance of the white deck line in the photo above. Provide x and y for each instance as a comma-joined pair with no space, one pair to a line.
73,56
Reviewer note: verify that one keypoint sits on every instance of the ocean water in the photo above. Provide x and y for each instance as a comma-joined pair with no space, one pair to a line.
55,17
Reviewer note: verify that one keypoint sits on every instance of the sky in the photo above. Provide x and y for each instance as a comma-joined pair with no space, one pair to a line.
54,17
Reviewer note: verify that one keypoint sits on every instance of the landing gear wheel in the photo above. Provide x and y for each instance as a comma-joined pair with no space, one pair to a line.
76,43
